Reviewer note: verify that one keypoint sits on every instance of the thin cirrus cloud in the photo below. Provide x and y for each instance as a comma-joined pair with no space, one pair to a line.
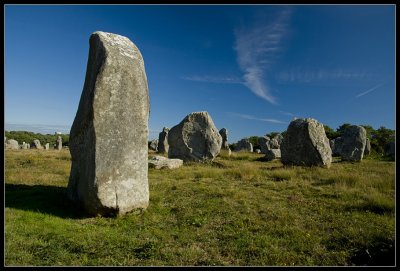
214,79
305,76
250,117
257,49
286,113
369,90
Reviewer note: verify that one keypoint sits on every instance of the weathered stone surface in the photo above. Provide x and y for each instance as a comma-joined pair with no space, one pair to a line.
225,146
163,146
224,134
108,138
36,144
276,142
264,144
24,146
59,143
195,138
367,150
153,145
336,146
244,145
257,150
12,144
159,162
332,144
353,143
47,146
390,149
272,154
306,144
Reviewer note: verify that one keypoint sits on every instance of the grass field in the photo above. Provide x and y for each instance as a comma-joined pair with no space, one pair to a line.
236,211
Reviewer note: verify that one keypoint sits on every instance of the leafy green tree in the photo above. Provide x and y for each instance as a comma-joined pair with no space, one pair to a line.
254,141
342,127
272,134
380,137
330,133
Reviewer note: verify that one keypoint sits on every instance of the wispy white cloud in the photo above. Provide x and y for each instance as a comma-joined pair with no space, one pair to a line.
250,117
257,49
286,113
306,76
214,79
369,90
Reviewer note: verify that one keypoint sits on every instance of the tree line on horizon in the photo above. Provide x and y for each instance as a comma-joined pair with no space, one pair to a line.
28,137
378,138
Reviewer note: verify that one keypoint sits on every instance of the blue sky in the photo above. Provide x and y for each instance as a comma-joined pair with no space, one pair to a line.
252,67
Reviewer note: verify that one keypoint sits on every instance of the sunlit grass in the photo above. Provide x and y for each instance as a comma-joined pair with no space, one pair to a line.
237,210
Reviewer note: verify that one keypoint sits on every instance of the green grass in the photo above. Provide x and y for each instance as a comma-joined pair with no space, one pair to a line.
236,211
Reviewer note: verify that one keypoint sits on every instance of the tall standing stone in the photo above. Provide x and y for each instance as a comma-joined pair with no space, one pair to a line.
108,138
195,138
353,143
306,144
163,146
59,143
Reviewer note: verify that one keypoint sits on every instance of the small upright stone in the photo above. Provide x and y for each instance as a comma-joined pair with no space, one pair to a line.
272,154
367,150
244,145
195,138
153,145
264,144
306,144
108,138
59,143
47,146
336,146
225,146
224,134
36,144
12,144
276,142
163,146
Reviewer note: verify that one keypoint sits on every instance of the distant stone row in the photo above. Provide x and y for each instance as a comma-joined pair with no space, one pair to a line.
305,143
35,144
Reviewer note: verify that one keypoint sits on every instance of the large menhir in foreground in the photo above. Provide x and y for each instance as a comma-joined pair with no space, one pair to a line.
108,139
